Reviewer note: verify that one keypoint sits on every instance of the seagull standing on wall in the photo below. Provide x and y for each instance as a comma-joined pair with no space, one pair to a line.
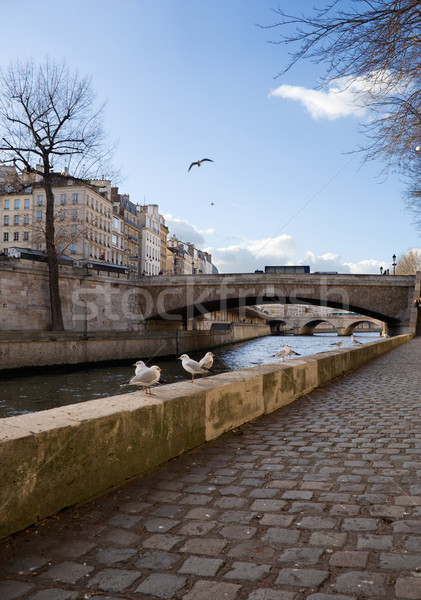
147,377
207,361
192,366
199,162
339,344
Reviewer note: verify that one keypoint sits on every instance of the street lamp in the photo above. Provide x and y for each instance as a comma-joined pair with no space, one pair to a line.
381,270
394,264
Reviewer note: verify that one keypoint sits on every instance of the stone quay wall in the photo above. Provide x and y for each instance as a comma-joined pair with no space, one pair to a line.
64,456
46,349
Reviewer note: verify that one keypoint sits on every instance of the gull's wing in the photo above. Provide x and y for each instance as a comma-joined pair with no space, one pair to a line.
208,159
193,163
194,366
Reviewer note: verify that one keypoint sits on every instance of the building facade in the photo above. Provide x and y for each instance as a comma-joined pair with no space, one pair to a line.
150,239
82,215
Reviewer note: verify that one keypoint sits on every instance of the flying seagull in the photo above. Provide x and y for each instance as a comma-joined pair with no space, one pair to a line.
286,351
199,162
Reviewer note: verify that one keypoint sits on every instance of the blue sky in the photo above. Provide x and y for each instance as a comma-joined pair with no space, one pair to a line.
188,79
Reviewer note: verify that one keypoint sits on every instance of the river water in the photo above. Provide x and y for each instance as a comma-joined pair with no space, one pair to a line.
63,386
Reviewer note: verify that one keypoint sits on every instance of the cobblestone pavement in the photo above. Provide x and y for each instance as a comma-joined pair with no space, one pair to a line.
320,501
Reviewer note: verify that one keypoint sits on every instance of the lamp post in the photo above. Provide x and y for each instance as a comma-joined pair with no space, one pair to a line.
394,264
381,270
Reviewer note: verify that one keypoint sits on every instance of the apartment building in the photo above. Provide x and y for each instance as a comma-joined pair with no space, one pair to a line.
183,258
150,239
82,215
163,231
127,227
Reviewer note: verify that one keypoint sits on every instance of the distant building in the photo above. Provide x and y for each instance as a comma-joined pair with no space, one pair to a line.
187,259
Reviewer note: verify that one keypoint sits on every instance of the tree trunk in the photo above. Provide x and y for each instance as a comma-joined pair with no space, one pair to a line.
52,258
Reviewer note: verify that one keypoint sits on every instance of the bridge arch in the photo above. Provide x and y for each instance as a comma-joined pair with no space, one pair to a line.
310,327
351,327
277,326
388,299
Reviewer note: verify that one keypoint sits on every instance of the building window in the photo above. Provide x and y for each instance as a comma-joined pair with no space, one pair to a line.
74,214
17,204
74,248
74,230
6,236
25,236
62,215
6,205
6,220
114,238
26,203
63,198
26,220
16,220
40,200
75,198
39,215
16,236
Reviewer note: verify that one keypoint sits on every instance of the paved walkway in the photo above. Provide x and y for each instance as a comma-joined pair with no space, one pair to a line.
320,501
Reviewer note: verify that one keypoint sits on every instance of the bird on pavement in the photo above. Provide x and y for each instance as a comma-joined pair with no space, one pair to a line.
199,162
339,344
355,341
146,378
192,366
286,351
207,361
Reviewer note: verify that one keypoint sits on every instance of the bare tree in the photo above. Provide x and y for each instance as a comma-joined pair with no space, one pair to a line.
378,44
409,262
48,118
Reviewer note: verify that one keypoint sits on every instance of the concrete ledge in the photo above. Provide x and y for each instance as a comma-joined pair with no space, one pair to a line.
64,456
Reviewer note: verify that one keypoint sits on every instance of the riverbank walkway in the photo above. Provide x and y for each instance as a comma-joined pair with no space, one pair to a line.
318,501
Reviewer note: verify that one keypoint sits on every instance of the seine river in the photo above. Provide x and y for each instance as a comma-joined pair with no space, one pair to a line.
63,386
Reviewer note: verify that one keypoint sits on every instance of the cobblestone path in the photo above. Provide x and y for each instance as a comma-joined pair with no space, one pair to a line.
320,501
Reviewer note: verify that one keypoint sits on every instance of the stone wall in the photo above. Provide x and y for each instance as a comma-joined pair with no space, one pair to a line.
46,349
64,456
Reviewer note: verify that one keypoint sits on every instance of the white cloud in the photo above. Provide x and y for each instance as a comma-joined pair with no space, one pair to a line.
250,255
186,231
324,262
335,103
367,266
344,97
246,256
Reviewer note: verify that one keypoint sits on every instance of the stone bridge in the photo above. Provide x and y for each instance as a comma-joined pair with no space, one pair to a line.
306,325
389,299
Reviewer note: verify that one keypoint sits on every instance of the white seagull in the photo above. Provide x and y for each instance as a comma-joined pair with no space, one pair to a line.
286,351
207,361
192,366
339,344
199,162
355,341
140,367
146,378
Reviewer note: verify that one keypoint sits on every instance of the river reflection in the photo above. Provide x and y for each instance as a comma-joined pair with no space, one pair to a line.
63,386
